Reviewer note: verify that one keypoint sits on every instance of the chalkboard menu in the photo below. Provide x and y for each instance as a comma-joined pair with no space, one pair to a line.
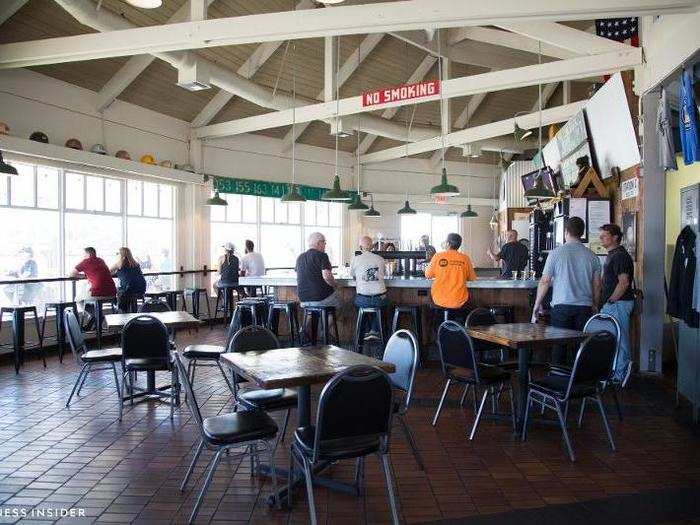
573,143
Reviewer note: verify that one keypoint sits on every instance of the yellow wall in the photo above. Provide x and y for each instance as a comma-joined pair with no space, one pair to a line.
675,180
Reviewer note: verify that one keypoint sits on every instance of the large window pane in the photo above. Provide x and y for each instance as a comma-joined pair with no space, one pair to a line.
75,191
151,242
95,200
47,187
280,212
166,201
233,210
249,206
280,245
22,186
335,211
309,213
333,241
294,212
218,213
102,232
441,227
113,196
31,251
133,197
413,226
267,209
150,199
4,182
322,213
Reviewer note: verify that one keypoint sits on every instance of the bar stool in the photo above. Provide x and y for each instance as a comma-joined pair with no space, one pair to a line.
18,339
370,312
504,311
170,297
224,295
195,294
289,308
322,313
250,311
98,315
59,309
413,311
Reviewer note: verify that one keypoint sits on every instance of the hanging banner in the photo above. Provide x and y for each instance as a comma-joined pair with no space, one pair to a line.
427,88
261,188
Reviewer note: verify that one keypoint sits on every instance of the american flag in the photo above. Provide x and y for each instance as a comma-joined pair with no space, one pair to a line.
619,29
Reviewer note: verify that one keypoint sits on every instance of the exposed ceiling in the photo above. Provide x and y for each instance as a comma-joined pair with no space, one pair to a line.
390,63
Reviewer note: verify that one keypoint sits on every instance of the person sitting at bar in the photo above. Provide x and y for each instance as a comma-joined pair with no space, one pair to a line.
393,266
618,295
513,254
252,265
368,271
132,284
573,273
101,284
315,283
229,269
450,270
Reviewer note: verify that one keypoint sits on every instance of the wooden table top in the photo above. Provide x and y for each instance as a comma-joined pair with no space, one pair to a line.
292,367
518,335
176,319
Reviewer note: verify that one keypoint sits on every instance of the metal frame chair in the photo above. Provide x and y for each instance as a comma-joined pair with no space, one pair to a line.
353,420
153,306
221,433
592,367
459,365
87,359
402,351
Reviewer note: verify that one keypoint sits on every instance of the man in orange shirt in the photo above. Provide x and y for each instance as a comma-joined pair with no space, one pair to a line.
450,270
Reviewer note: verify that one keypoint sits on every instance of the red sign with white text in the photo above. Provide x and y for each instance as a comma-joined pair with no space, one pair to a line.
424,89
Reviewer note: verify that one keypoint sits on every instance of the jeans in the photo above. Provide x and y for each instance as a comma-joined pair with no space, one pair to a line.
621,311
567,316
332,300
370,301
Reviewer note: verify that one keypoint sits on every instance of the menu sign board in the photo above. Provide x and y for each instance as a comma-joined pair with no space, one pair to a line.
572,140
263,188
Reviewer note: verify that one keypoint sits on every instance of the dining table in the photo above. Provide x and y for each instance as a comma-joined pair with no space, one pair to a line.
300,368
524,338
177,320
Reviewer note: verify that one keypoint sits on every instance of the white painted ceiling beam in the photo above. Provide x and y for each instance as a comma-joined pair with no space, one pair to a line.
574,40
345,72
345,20
572,68
9,8
423,68
506,39
475,134
137,64
469,110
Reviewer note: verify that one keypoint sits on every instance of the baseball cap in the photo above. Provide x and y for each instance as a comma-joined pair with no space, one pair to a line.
229,247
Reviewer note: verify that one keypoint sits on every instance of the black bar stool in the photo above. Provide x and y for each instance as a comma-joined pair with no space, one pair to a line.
369,312
170,297
289,308
18,340
195,295
322,313
504,311
414,313
250,311
224,295
59,309
452,313
98,315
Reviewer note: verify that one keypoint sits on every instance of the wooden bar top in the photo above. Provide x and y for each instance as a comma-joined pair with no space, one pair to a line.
176,319
293,367
518,335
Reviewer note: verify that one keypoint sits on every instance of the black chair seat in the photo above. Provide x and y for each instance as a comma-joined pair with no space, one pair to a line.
560,370
555,385
275,399
335,449
108,355
203,351
145,364
488,375
238,427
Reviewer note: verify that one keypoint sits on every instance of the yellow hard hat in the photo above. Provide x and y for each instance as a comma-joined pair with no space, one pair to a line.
148,159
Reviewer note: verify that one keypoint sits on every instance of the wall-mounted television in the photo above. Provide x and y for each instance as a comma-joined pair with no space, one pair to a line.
549,179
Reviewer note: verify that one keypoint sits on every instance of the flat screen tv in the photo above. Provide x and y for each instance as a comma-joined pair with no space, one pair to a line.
549,179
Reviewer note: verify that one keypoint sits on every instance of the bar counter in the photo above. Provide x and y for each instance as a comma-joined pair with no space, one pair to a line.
411,291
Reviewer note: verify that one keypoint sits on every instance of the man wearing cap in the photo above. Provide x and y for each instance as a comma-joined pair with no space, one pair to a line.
450,270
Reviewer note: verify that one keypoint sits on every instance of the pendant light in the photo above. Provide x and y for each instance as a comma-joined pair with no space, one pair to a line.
444,189
5,168
372,212
357,204
493,223
216,200
406,210
539,191
469,213
336,194
293,194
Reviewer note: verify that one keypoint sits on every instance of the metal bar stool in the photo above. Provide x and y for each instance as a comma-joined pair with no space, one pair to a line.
362,313
289,308
195,296
413,311
322,313
98,315
59,309
504,311
224,295
18,340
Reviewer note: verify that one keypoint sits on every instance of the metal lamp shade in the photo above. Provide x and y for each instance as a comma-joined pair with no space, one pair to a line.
336,194
357,204
469,213
293,195
444,189
520,133
5,168
406,210
216,200
372,212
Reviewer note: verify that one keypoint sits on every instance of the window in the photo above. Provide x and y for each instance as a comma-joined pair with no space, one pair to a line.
436,226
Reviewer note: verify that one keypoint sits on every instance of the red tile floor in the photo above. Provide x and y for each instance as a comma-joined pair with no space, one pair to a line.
82,458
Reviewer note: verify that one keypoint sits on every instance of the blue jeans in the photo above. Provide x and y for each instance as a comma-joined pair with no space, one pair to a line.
375,301
621,311
567,316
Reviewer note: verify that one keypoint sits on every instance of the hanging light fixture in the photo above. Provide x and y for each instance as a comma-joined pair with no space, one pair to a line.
216,200
145,4
5,168
406,210
372,212
336,193
493,223
357,204
444,189
469,213
293,194
519,133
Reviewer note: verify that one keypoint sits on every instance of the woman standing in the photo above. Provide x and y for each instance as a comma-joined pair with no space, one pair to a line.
132,284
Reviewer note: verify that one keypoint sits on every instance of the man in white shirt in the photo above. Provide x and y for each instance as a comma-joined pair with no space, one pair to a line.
368,271
252,264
